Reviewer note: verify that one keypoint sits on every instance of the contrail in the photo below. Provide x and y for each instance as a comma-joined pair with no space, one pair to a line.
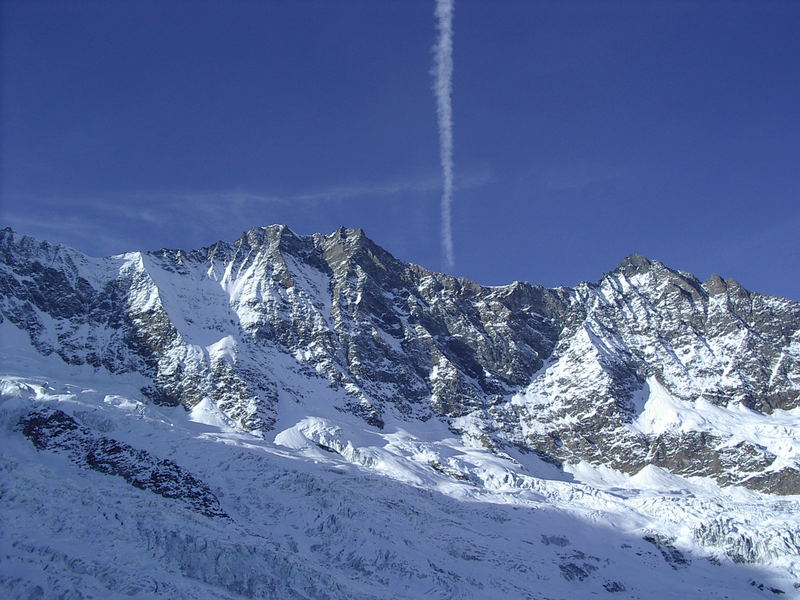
443,90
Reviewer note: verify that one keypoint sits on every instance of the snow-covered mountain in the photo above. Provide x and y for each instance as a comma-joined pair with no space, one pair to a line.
307,416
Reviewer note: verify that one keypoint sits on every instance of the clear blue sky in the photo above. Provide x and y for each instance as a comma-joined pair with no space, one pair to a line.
584,131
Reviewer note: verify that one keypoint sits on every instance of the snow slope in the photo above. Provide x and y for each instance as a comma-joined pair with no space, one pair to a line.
328,507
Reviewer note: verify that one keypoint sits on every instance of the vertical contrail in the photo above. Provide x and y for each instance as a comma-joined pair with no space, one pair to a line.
443,90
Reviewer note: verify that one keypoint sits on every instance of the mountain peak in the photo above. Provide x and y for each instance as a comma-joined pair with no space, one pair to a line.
275,231
717,284
274,236
353,244
350,234
353,238
636,263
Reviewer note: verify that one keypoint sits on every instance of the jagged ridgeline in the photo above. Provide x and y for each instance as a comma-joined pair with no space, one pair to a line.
644,367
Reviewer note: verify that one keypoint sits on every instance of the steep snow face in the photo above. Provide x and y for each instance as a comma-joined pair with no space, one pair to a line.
659,412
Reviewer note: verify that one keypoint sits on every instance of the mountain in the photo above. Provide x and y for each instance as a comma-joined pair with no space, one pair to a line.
326,421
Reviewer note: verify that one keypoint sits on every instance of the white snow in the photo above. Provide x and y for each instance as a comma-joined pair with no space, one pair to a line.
659,412
366,495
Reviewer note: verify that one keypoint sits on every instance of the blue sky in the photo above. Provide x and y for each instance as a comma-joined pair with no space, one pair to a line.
584,131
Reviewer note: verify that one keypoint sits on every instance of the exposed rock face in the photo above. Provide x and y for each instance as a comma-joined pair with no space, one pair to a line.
56,431
638,369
